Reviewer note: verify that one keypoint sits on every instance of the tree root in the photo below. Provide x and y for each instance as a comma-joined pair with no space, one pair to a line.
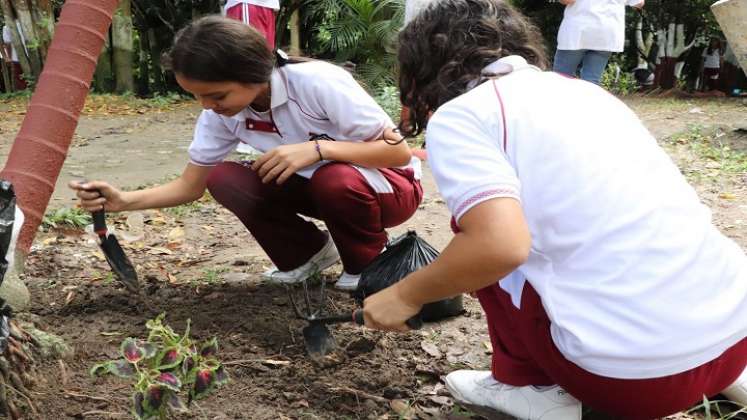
16,373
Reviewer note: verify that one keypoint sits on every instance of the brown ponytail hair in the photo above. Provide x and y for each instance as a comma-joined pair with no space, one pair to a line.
448,44
218,49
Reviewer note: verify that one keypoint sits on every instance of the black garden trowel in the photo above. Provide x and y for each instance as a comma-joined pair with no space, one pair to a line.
318,340
115,255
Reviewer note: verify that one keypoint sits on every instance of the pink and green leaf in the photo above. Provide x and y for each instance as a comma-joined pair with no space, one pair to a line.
169,358
209,348
137,406
132,350
221,376
175,403
169,380
121,368
155,397
204,382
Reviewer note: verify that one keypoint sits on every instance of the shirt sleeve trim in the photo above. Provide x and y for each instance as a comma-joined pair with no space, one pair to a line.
194,162
478,198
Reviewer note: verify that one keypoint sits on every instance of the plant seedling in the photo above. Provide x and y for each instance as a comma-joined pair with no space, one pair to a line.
164,367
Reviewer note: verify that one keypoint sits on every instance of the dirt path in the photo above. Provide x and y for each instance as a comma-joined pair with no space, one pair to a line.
198,263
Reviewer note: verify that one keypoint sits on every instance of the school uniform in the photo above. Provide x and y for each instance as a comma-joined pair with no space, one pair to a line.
357,204
628,289
590,32
258,13
16,70
711,68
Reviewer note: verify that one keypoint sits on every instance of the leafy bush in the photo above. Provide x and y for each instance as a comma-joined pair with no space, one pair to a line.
163,367
618,82
66,217
388,98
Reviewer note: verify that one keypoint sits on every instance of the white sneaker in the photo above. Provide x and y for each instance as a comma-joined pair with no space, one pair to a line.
737,391
320,261
348,282
479,392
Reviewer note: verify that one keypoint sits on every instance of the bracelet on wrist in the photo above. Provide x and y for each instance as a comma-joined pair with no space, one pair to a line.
318,150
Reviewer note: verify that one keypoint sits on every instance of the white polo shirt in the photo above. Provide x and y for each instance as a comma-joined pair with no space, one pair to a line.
636,280
271,4
307,99
594,25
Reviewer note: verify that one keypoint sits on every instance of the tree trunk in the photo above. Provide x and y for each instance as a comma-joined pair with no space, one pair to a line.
103,78
295,31
8,82
159,84
122,47
32,42
17,41
44,23
143,80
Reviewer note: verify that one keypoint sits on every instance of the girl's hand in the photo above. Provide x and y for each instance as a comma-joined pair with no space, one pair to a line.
388,310
567,2
98,195
283,161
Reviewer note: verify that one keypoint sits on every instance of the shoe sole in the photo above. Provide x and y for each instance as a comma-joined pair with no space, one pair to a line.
481,410
325,264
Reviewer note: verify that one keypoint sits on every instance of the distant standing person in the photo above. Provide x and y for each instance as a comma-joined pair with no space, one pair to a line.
590,32
258,13
11,53
711,65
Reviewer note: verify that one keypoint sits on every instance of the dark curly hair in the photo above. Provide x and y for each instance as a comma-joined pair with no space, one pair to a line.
448,44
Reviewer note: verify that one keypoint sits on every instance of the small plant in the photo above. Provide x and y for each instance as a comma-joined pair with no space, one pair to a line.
164,367
66,217
213,275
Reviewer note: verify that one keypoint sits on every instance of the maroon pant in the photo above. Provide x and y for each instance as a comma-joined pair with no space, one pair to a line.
337,193
261,18
524,354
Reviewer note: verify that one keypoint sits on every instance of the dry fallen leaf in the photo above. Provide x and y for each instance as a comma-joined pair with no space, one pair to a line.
176,234
431,349
727,196
402,408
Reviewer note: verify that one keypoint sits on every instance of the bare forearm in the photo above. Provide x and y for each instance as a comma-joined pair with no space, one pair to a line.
371,154
494,241
464,266
189,187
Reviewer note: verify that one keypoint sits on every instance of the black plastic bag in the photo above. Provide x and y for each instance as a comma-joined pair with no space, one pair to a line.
403,255
7,219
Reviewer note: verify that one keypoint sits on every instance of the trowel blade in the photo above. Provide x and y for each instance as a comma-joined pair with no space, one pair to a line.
318,339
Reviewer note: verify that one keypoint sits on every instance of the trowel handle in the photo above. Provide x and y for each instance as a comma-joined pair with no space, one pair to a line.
99,220
415,323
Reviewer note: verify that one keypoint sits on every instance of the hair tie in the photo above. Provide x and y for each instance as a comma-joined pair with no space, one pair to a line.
281,58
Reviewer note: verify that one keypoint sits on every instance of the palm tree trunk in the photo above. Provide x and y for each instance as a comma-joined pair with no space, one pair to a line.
122,47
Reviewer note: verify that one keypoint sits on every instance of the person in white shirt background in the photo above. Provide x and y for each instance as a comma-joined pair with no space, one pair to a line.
12,56
710,67
590,32
603,280
258,13
329,152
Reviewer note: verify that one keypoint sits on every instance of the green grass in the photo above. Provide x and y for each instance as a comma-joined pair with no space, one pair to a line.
709,147
64,217
211,276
